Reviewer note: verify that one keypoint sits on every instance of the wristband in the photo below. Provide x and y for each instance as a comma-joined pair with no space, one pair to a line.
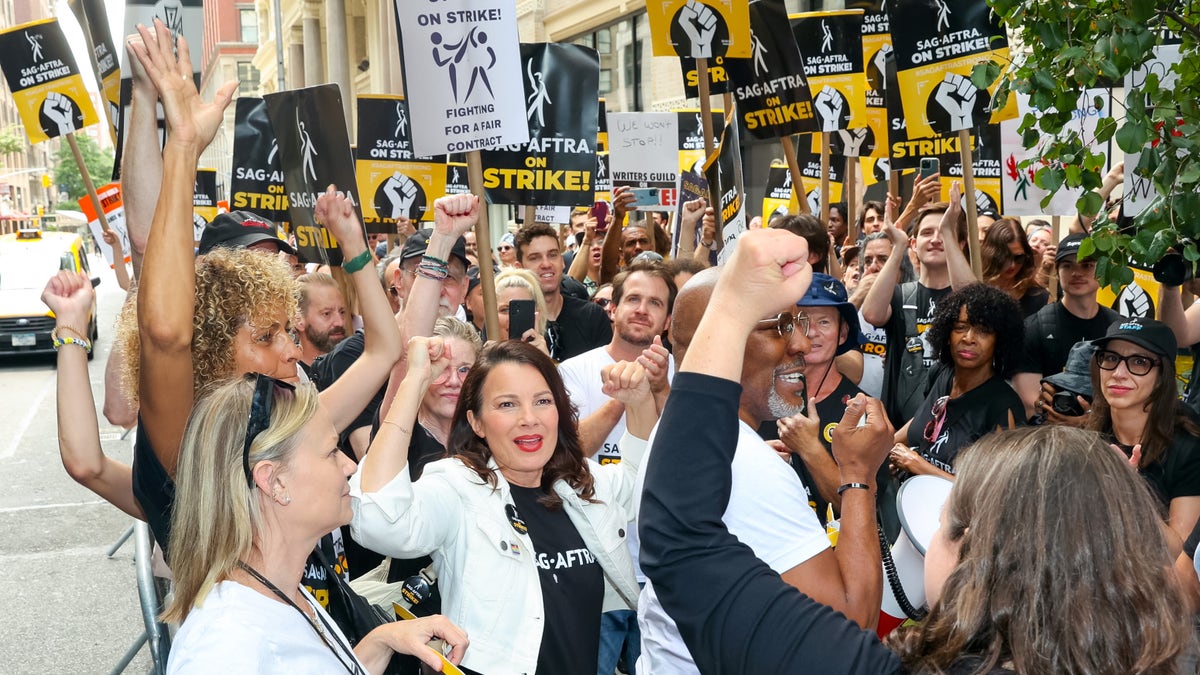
62,342
853,486
707,245
357,262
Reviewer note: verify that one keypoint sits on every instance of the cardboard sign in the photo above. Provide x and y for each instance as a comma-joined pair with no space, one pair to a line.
557,165
877,46
779,197
105,61
181,17
691,137
936,45
393,180
114,214
833,63
718,76
724,170
644,152
986,159
457,182
701,29
692,186
461,66
47,88
257,181
314,150
204,201
773,97
552,215
1021,196
810,170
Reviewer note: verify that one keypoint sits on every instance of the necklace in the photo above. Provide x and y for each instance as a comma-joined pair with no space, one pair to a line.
317,621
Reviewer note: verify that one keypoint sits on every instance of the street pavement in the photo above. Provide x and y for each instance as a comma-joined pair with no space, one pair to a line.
68,607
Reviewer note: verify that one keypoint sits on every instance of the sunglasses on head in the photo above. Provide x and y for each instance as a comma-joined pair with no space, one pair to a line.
260,414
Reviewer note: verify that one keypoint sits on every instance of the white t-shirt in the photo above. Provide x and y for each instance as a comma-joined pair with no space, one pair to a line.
768,511
873,350
581,375
238,630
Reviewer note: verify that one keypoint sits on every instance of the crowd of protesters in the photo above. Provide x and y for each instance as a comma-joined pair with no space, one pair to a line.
671,467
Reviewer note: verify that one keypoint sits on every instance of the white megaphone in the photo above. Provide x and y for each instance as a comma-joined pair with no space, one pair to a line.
919,505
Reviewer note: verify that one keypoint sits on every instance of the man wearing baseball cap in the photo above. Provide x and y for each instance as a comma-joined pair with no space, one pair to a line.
833,329
241,229
1052,331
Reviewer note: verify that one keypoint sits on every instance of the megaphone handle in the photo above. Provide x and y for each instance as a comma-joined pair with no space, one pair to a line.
889,567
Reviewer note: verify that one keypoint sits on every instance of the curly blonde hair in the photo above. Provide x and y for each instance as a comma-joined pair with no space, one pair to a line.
233,287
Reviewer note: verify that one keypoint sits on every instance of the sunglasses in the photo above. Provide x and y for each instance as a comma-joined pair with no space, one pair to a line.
603,302
1136,364
785,323
933,428
260,414
504,248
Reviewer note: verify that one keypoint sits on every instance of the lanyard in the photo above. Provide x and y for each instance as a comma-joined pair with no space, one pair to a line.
328,630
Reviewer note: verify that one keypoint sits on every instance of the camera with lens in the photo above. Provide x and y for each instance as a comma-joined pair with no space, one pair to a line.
1066,403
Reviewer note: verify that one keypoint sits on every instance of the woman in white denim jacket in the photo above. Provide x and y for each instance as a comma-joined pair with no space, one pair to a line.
514,435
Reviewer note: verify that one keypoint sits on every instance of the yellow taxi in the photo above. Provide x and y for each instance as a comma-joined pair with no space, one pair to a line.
28,258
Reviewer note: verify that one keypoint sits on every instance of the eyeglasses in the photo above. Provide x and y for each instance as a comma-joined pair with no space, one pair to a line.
260,414
933,428
504,248
603,302
1136,364
785,323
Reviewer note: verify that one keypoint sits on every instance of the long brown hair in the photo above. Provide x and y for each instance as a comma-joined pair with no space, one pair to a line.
567,463
1037,589
1168,416
996,254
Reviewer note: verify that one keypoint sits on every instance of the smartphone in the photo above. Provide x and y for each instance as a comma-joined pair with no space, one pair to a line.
643,197
599,211
930,166
520,318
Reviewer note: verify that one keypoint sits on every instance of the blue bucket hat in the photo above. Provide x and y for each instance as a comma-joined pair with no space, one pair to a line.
825,291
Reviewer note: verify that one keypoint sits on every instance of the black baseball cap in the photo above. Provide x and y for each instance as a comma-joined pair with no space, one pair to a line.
240,229
1148,333
417,243
1068,247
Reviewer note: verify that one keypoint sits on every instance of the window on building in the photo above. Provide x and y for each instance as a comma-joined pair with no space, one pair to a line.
623,47
247,78
249,22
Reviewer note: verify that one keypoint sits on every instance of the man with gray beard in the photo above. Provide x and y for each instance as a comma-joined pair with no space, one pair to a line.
768,510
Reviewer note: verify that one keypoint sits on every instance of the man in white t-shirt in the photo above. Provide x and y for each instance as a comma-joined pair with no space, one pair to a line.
642,298
641,309
768,507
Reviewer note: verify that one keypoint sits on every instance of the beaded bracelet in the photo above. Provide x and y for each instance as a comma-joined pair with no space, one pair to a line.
60,342
438,275
357,262
434,259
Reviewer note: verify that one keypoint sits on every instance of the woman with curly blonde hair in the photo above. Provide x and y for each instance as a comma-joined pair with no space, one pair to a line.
232,315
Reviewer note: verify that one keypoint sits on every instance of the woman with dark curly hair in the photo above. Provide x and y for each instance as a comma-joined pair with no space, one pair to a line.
977,335
1010,264
528,538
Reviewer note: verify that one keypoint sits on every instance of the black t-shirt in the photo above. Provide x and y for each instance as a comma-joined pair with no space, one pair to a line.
581,326
1052,331
327,368
968,417
1177,473
924,305
1034,300
572,588
152,488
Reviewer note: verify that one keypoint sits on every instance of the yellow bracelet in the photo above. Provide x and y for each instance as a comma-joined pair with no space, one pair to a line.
61,342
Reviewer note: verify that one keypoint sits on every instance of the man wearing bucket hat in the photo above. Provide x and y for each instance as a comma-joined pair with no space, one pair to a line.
1053,331
833,330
